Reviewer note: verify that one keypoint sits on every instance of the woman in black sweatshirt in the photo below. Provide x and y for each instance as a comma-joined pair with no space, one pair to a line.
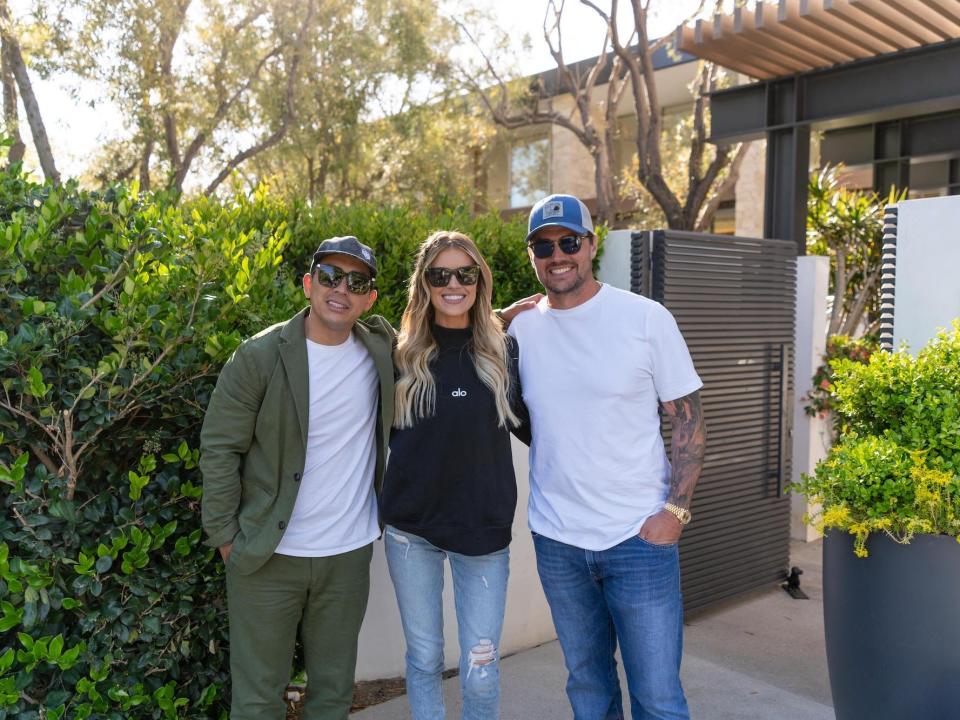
450,491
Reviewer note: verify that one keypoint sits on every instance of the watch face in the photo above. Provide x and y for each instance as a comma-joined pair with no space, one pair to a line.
682,514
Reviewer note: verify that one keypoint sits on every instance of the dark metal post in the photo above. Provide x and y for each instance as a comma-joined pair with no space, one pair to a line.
785,204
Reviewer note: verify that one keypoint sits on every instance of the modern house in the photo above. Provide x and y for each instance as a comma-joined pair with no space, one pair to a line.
525,164
879,80
874,83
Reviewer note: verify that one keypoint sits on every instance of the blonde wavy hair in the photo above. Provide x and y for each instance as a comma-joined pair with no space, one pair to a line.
416,392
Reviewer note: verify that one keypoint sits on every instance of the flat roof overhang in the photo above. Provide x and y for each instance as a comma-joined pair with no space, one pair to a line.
824,64
774,39
919,81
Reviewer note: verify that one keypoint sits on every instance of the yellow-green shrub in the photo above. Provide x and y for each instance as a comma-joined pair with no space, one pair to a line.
896,465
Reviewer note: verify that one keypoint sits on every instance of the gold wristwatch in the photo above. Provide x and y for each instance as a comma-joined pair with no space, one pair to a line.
682,514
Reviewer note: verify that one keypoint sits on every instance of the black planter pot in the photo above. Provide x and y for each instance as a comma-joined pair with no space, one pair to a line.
892,625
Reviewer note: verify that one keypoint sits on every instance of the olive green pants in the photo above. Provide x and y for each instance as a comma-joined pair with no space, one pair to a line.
326,598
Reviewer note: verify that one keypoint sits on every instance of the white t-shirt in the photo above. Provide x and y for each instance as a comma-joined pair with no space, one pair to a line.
592,378
336,508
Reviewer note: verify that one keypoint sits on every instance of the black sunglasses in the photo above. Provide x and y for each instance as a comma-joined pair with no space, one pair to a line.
570,244
330,276
440,276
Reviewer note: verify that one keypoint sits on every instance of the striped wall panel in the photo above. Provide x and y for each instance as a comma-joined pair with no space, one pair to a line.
888,277
734,300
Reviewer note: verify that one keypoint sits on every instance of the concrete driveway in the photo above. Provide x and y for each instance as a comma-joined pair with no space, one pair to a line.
759,657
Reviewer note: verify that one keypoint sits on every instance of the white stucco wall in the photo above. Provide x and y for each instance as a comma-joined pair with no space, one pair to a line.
527,622
811,435
927,285
615,261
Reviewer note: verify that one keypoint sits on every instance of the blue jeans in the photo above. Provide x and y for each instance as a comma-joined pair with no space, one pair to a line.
480,596
630,593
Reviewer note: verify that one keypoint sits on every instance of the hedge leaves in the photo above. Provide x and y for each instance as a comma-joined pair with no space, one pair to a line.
117,311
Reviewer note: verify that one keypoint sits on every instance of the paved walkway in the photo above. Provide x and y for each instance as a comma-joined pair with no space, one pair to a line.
755,658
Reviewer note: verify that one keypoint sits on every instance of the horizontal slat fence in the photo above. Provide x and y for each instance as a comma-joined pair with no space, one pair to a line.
734,300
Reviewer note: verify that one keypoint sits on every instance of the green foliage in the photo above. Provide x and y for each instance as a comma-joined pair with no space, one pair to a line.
896,467
838,346
117,311
847,225
201,81
395,232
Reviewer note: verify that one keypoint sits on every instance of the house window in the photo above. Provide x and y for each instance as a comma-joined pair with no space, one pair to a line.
529,172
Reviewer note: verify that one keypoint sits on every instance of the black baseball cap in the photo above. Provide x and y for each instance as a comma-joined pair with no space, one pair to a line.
347,245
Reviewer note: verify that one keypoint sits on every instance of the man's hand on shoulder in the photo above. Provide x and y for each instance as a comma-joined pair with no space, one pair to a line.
662,528
511,311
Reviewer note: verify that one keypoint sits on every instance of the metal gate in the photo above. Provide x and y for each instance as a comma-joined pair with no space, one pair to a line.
734,300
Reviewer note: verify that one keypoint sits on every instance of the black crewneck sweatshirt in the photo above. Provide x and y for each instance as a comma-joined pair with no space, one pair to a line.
450,477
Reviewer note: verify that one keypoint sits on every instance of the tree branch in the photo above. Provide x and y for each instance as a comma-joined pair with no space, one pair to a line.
74,460
10,116
9,407
863,295
839,292
70,460
40,140
144,163
48,463
182,164
221,112
115,279
709,209
289,110
169,35
500,112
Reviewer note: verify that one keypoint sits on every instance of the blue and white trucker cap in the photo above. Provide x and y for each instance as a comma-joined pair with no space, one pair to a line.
563,210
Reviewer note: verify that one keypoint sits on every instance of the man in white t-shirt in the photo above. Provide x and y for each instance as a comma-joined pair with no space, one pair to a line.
292,454
607,506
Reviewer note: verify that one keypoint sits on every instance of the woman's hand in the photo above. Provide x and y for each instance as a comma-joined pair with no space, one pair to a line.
511,311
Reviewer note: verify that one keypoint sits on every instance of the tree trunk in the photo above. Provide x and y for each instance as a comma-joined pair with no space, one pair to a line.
479,179
839,293
30,104
606,192
11,119
145,165
859,304
311,181
322,172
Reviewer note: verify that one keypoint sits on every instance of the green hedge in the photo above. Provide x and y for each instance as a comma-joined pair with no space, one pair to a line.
394,233
116,312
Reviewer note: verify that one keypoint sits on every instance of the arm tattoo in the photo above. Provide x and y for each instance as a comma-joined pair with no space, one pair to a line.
688,442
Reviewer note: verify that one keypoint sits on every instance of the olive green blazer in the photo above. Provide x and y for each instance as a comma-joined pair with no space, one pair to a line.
254,436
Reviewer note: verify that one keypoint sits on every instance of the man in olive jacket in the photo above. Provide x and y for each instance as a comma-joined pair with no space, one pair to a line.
292,454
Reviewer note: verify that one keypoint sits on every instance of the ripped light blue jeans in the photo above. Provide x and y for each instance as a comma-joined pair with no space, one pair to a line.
480,594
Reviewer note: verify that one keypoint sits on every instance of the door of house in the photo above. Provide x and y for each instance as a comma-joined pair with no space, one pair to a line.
734,300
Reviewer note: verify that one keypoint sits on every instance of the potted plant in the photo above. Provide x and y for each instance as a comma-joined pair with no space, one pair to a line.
889,493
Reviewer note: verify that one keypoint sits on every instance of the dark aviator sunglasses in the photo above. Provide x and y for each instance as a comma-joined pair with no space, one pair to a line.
569,244
440,276
330,276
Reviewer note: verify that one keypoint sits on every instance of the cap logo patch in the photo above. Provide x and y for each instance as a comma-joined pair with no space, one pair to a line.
366,253
553,209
